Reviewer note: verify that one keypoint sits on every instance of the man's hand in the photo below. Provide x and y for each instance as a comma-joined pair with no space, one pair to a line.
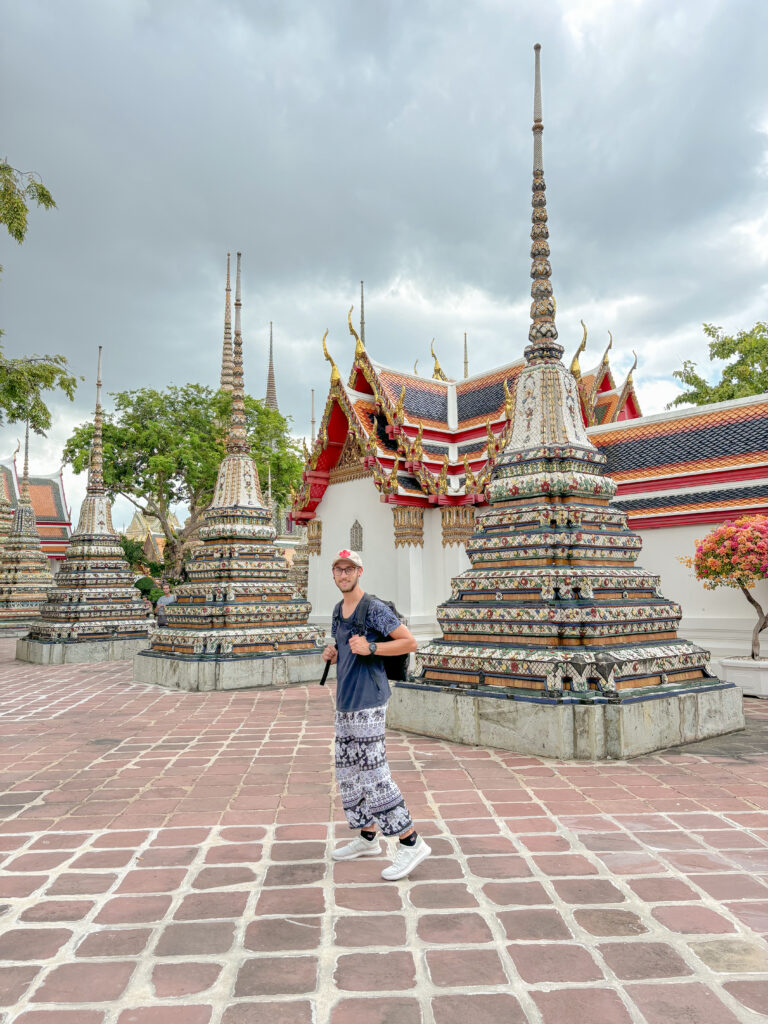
330,654
359,645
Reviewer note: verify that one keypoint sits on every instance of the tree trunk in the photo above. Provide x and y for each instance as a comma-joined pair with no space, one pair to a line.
762,620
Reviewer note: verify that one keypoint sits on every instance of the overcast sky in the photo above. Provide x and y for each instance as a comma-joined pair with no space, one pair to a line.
390,141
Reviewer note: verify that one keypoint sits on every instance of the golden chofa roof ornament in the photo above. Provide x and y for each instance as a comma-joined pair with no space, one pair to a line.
359,346
335,375
509,402
400,406
575,367
437,373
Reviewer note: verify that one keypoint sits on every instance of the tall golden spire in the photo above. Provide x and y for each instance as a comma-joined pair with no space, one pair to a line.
96,466
237,441
226,353
542,333
24,498
271,400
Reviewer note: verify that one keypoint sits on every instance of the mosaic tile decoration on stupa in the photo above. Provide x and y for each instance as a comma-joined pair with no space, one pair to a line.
25,573
237,601
93,597
554,605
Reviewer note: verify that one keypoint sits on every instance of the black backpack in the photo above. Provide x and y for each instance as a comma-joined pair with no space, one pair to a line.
395,666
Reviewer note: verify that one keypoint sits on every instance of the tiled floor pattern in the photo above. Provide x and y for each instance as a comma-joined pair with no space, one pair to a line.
164,859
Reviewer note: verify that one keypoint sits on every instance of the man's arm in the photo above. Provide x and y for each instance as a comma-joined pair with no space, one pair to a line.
402,642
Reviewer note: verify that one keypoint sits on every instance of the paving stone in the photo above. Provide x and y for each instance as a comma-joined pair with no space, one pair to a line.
374,897
12,886
171,981
234,853
465,967
269,935
166,1015
152,880
85,983
737,956
731,887
370,930
220,878
81,883
167,856
534,924
753,914
490,1008
662,890
610,922
458,928
133,909
103,859
565,864
114,942
277,976
514,894
632,961
202,905
441,896
57,910
33,943
304,900
588,890
689,1003
392,1010
692,920
559,963
14,982
79,1016
304,873
375,972
499,867
37,861
592,1005
289,1011
752,994
195,939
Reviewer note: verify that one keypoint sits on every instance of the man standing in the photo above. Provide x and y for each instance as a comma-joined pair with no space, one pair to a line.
369,795
162,604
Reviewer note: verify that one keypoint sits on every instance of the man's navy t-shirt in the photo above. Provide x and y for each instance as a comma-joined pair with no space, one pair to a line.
362,681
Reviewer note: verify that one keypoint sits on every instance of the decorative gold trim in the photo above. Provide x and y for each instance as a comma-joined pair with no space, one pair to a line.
409,526
458,522
350,465
314,536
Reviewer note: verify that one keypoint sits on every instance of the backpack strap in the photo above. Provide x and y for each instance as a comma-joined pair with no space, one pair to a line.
361,613
335,618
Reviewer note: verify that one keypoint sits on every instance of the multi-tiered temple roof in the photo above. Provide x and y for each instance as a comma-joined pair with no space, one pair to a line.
554,601
25,574
93,598
237,603
46,493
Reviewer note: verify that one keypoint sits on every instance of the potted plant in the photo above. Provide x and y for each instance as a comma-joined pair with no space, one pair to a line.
735,554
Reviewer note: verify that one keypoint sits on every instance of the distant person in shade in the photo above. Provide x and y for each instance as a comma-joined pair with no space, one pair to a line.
371,799
162,604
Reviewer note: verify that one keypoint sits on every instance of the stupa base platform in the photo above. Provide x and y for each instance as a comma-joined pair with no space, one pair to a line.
568,728
73,652
10,631
203,674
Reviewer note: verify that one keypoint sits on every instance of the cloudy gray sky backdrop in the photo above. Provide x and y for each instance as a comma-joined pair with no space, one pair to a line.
390,141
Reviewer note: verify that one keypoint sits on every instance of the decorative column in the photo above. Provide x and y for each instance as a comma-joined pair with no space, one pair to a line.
409,525
314,536
458,523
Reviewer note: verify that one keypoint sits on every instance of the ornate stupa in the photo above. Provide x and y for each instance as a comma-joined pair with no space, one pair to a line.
6,516
25,573
237,622
554,617
93,612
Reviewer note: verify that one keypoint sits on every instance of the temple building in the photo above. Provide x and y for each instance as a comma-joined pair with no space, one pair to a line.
52,516
93,612
237,622
25,572
148,532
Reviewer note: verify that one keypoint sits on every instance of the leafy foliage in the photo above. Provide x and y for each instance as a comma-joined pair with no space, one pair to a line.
22,382
746,373
17,190
735,554
163,448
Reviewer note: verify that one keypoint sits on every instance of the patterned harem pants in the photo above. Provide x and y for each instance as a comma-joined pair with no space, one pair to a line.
368,791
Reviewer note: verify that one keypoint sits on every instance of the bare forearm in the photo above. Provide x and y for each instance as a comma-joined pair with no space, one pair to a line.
389,648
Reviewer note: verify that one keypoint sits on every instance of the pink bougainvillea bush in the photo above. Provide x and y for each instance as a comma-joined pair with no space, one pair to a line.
736,555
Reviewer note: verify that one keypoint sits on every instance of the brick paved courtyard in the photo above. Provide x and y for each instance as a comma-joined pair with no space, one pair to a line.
166,860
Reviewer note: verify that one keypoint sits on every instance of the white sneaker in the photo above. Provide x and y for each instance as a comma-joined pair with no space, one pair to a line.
359,847
406,859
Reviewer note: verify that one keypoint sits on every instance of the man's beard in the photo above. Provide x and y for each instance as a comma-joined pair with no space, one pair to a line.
346,585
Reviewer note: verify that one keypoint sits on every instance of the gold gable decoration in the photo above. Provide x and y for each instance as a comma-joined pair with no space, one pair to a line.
409,526
314,536
350,465
458,524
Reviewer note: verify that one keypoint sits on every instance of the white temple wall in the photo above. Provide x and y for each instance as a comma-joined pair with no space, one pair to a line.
720,620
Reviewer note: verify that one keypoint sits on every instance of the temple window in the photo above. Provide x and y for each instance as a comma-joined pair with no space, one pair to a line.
356,536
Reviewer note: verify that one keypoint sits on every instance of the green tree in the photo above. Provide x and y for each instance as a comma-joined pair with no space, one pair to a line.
22,381
163,448
745,372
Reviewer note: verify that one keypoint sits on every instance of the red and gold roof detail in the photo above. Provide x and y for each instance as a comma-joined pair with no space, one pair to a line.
602,400
48,502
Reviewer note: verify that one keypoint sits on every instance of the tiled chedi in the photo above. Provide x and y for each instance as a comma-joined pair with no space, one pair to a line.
237,601
554,601
25,574
93,597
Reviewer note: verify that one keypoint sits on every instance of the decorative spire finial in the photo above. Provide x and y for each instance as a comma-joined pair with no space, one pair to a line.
24,498
226,353
437,373
542,334
575,367
466,360
359,344
335,375
237,441
362,313
271,400
96,468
